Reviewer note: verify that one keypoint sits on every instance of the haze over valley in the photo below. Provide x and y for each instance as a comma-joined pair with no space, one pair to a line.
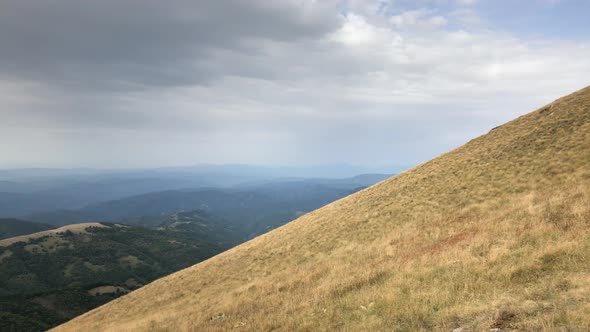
71,240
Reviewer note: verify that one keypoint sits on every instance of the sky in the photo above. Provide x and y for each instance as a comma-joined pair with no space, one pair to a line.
151,83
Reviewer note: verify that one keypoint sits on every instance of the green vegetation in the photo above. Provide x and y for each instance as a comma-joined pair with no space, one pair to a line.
199,225
50,279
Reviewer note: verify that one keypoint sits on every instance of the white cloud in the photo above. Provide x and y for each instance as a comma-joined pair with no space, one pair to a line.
375,86
417,19
467,2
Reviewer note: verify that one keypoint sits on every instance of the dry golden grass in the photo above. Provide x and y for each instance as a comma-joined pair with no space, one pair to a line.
495,234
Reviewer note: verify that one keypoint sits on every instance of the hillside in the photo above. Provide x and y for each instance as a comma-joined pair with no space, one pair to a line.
15,227
494,234
49,277
195,225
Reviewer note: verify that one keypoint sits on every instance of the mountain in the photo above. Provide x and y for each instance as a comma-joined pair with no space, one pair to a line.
492,235
255,209
49,277
15,227
19,204
29,191
196,224
62,191
303,185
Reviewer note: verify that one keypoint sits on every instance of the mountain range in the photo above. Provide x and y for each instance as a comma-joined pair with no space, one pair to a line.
100,252
28,191
254,207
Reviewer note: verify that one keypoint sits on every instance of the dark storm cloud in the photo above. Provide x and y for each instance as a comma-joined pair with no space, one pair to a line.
133,43
113,83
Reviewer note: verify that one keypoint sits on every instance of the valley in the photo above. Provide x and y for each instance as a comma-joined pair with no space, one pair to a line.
70,261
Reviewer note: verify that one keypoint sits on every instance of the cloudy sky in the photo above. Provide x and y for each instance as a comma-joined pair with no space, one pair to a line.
145,83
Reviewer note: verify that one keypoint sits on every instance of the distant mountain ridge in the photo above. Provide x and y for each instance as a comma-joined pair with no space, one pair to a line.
14,227
255,208
27,191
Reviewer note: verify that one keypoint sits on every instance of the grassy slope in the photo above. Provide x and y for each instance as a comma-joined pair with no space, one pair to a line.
493,234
